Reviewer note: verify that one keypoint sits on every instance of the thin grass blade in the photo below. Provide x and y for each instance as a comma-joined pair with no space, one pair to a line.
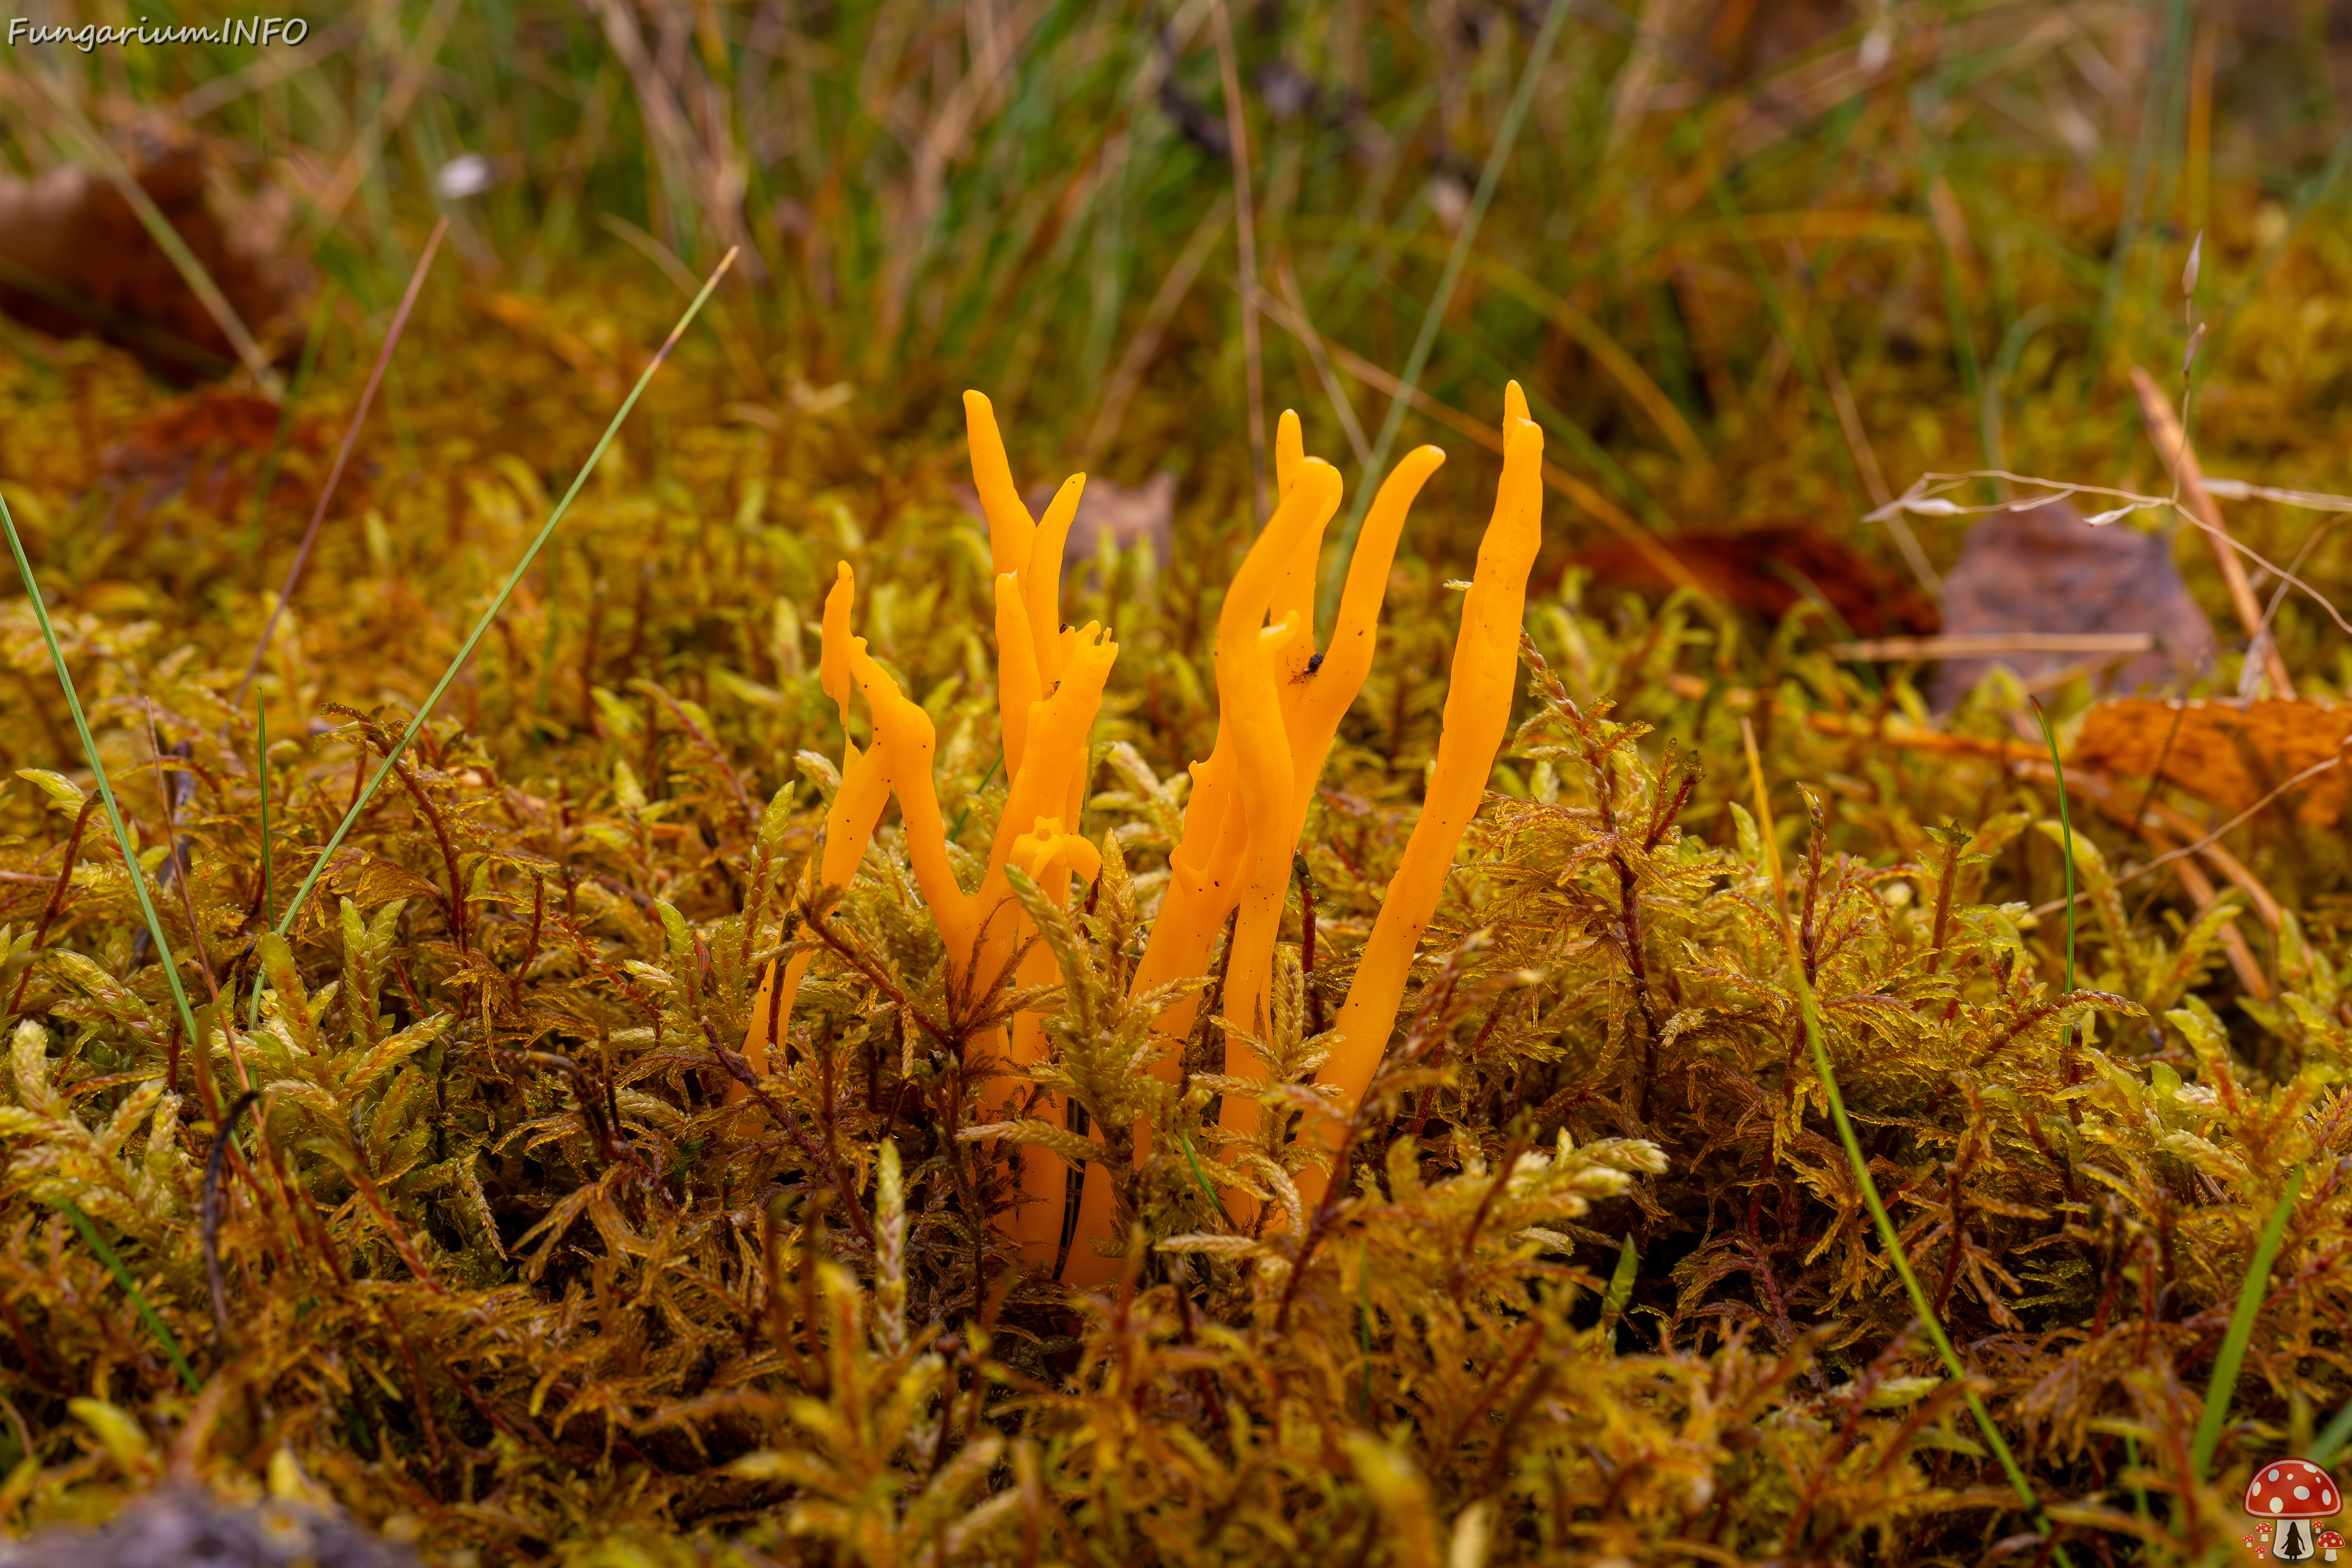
122,838
342,456
268,887
2066,826
122,1277
1620,1290
2224,1384
1335,570
2332,1439
498,604
1891,1238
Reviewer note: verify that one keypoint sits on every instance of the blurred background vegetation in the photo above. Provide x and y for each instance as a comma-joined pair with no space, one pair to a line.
1751,257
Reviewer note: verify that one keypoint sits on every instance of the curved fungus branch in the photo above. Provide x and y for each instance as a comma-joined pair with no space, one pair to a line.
1477,719
1282,705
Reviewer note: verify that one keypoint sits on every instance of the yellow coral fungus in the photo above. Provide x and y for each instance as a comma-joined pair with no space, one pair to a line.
1049,690
1477,715
1281,706
898,762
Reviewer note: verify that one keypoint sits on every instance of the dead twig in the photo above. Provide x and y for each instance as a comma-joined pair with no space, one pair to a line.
2180,457
221,1138
342,456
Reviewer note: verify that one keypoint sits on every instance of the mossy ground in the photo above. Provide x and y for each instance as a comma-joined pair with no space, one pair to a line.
504,1270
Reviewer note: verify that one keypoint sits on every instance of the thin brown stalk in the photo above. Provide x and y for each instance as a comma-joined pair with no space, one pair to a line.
1509,1162
1245,228
1436,1014
882,980
1865,459
1944,900
57,896
457,907
342,458
1119,389
2156,774
709,748
176,865
2209,845
779,1322
1307,942
741,1071
222,1143
1291,301
1954,1200
417,1381
530,948
812,1247
2172,445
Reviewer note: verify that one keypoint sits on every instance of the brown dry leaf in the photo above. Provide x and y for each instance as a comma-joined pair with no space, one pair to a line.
1755,40
2043,569
1765,569
75,261
206,446
2231,753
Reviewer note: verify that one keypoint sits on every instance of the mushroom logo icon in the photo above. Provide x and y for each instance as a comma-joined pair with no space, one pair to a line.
2287,1495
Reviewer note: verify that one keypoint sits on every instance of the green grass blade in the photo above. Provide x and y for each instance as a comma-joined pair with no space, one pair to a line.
490,616
1200,1175
167,238
122,837
2066,831
1891,1238
1892,1241
2066,826
1784,322
155,1325
250,540
1620,1290
2219,1391
1335,573
2331,1439
965,816
2139,1493
2224,1384
2173,59
269,889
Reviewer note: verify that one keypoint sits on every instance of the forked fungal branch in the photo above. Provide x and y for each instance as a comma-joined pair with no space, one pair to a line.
1281,703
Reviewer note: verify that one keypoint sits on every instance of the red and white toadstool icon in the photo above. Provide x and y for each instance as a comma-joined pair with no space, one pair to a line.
2287,1494
2330,1543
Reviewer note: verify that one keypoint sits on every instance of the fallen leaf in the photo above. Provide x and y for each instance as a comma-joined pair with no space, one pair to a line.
1767,569
2230,753
209,447
76,262
2043,569
1755,40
